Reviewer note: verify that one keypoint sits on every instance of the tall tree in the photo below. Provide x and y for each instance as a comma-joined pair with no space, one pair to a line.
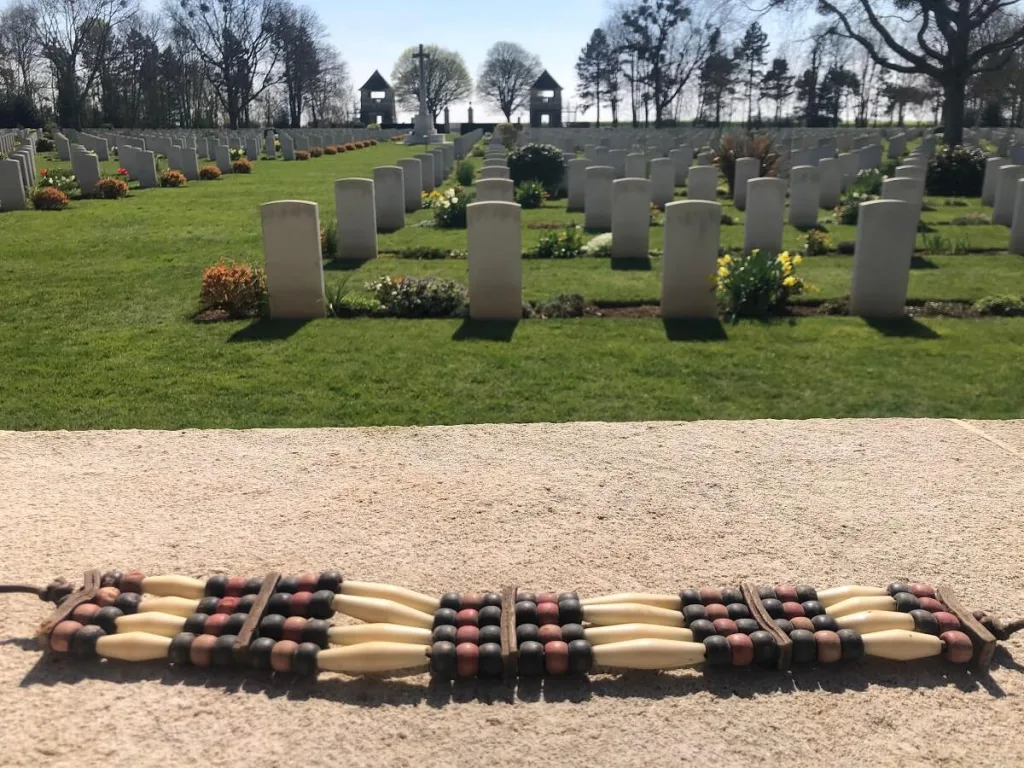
717,80
837,83
594,70
447,79
21,45
506,76
953,41
295,31
777,85
751,53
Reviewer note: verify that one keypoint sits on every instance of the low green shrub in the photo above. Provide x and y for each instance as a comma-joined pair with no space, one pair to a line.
818,243
44,144
427,253
465,173
238,289
563,305
537,162
972,220
956,172
727,220
564,244
329,240
868,182
956,202
531,194
449,207
757,284
848,210
59,178
417,297
507,134
1005,305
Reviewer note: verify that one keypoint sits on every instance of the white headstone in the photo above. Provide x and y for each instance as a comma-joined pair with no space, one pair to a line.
766,210
427,161
663,188
495,190
412,178
830,187
690,260
357,219
12,187
495,261
747,168
631,218
702,183
682,159
291,251
991,180
389,198
597,205
636,166
1006,194
886,231
804,193
577,177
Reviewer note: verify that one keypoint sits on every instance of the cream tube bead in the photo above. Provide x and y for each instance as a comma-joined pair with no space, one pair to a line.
375,609
401,595
179,606
617,633
133,646
649,654
176,586
858,604
631,613
875,621
901,645
672,602
373,633
835,595
373,657
164,624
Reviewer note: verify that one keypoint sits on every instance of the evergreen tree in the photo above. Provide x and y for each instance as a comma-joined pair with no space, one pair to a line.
777,85
717,80
751,53
596,65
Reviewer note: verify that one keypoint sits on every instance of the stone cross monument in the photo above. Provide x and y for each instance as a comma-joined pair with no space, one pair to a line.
423,131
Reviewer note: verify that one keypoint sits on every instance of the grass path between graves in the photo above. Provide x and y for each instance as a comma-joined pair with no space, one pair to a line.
95,301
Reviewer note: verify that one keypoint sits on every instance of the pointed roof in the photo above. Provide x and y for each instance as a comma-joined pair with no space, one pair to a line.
546,83
376,83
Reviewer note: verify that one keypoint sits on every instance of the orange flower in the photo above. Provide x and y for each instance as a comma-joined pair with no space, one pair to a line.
42,172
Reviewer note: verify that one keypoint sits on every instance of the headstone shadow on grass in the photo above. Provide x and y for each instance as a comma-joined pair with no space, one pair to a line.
266,329
344,265
902,327
696,329
485,330
631,265
922,262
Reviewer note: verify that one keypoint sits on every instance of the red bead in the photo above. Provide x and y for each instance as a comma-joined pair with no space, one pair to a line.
959,648
60,638
792,610
547,597
547,613
802,622
922,590
947,621
742,649
215,624
235,587
467,617
132,582
85,612
467,659
474,600
931,604
292,629
709,595
549,633
467,633
306,582
281,655
299,604
786,593
556,657
106,596
725,627
716,611
201,650
227,605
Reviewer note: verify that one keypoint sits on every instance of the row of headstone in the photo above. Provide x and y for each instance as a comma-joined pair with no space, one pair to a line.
18,171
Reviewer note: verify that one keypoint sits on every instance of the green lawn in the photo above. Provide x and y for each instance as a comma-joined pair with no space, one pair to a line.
95,305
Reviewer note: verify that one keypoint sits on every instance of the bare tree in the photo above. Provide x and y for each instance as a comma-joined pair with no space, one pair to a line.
506,77
447,79
18,39
329,92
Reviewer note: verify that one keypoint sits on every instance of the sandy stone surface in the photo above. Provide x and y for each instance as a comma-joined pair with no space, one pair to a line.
595,507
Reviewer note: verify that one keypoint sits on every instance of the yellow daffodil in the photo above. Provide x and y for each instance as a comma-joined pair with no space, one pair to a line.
789,282
723,272
727,259
787,268
798,259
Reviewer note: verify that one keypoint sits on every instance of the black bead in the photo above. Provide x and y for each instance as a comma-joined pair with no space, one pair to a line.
234,623
316,631
824,622
111,579
701,629
321,605
492,598
581,657
529,597
451,600
570,611
717,652
766,650
572,632
444,616
252,586
223,652
280,603
527,633
747,626
107,617
259,652
732,595
181,644
489,616
288,584
805,592
304,660
774,608
83,643
805,647
896,587
852,643
531,659
246,602
207,605
444,634
128,602
812,608
690,597
195,623
567,596
906,602
442,660
694,612
215,585
490,663
272,626
490,634
738,611
766,593
526,612
784,624
331,580
925,621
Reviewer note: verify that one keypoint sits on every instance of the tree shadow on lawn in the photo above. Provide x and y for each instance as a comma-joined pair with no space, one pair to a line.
902,327
697,329
266,329
485,330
